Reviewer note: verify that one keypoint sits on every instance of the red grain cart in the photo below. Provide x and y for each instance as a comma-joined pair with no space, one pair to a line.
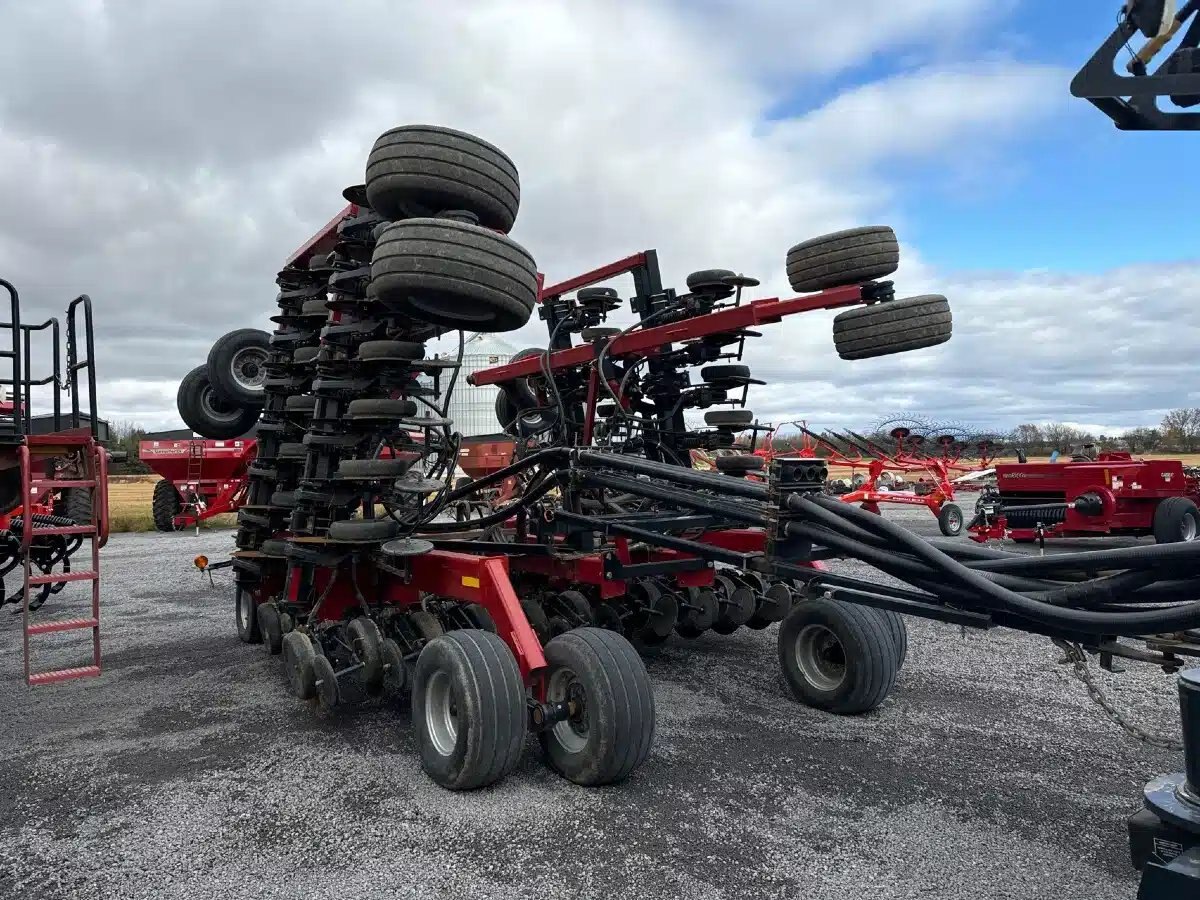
200,478
1112,495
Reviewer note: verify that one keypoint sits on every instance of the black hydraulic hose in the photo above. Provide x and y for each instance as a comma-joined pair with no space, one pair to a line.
898,565
532,495
736,487
550,454
724,509
1181,555
1098,591
1181,617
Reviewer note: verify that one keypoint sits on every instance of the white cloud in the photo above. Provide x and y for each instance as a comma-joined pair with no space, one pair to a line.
168,157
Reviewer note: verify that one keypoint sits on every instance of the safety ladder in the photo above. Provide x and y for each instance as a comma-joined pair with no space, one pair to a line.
40,447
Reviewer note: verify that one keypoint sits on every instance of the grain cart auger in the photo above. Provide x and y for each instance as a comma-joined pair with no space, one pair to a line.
53,485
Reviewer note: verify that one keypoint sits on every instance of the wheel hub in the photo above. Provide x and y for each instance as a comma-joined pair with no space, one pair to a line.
821,657
441,713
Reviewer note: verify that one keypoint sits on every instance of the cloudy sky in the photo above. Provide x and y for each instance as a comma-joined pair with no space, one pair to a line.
166,156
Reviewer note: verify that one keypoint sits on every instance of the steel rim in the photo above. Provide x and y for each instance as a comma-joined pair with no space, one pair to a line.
441,713
820,657
216,408
248,368
243,612
1187,528
572,732
954,521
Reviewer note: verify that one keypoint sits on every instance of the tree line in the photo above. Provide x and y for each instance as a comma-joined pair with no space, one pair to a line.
1178,432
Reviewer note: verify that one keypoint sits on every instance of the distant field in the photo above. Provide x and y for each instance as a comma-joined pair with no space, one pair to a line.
129,498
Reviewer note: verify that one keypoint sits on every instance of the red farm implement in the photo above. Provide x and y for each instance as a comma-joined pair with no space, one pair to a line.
53,486
201,478
1112,495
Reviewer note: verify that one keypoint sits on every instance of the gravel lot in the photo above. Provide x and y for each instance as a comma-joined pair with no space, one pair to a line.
188,771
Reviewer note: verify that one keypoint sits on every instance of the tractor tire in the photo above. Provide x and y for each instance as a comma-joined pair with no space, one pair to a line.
612,730
245,616
843,258
421,170
165,505
381,409
237,367
206,413
950,519
838,657
454,274
76,504
727,418
1176,520
739,465
468,709
506,413
365,531
403,351
12,493
371,469
895,326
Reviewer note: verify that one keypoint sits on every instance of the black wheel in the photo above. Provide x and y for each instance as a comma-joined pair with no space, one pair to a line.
610,729
838,657
206,413
305,355
608,618
395,672
364,639
696,620
899,631
298,656
12,492
237,366
577,608
480,618
735,603
724,417
301,403
724,373
270,628
454,274
329,694
598,333
468,709
950,519
382,410
245,616
426,625
843,258
373,469
420,170
774,604
1176,519
896,326
76,505
740,464
536,616
506,413
365,531
391,350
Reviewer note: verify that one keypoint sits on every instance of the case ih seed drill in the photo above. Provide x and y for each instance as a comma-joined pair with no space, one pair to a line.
527,618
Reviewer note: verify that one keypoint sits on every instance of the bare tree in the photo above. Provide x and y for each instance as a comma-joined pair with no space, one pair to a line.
1027,437
1181,428
1143,439
1064,438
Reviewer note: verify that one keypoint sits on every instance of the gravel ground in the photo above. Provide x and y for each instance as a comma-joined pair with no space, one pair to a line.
187,771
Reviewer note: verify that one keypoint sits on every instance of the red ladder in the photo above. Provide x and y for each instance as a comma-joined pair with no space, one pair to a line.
95,532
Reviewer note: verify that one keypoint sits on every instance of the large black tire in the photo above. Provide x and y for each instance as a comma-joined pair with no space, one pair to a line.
468,709
363,530
203,410
391,350
611,732
370,469
245,616
421,170
893,327
838,657
237,366
1176,519
739,465
950,519
165,505
454,274
76,504
843,258
381,408
11,490
725,418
